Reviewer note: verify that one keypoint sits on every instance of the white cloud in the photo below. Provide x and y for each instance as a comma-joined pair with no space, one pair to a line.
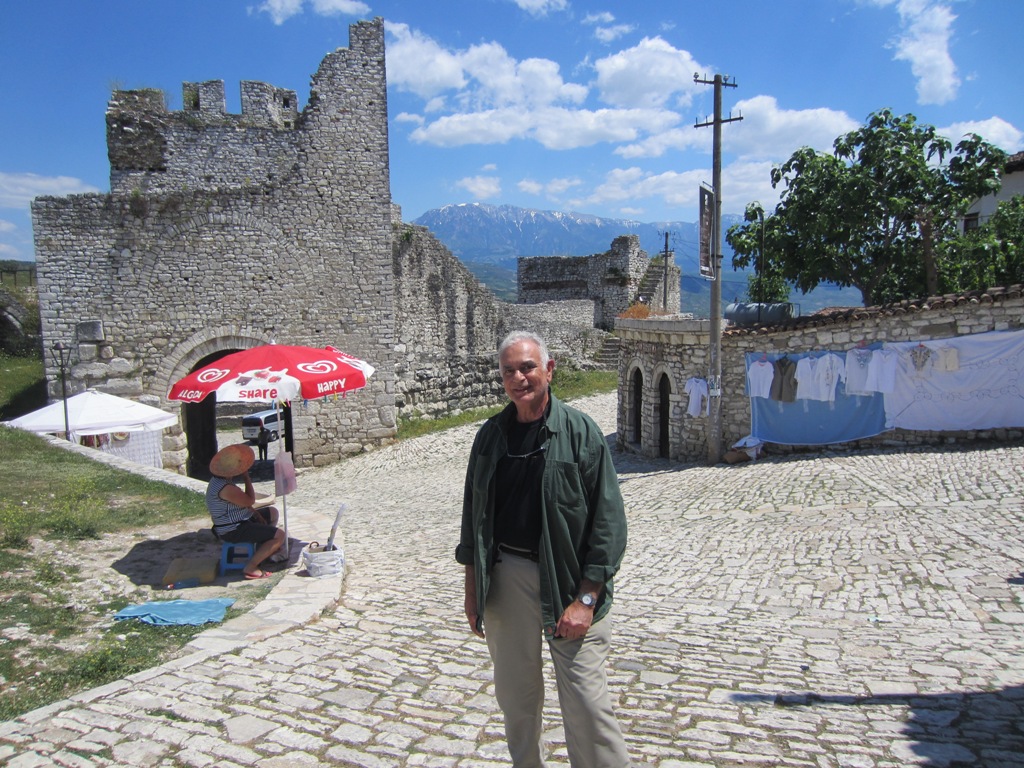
995,130
650,74
552,189
613,33
481,187
541,7
282,10
552,127
7,226
494,126
417,64
340,8
926,46
483,76
408,117
628,188
746,181
767,131
18,189
658,144
489,167
927,26
9,250
601,17
630,185
558,186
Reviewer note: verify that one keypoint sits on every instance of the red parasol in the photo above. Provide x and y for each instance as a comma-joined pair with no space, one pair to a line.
275,373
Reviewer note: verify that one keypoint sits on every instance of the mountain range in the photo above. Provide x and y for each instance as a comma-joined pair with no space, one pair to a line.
488,239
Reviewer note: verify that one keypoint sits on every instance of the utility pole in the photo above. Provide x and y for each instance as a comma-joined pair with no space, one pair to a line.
715,367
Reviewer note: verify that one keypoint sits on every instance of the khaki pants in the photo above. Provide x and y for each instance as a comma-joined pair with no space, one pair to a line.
512,624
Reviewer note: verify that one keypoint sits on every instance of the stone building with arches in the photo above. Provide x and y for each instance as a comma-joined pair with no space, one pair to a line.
659,356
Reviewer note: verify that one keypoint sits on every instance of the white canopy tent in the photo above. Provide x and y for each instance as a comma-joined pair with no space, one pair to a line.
97,413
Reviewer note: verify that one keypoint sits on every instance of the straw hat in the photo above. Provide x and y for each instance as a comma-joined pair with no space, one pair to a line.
232,461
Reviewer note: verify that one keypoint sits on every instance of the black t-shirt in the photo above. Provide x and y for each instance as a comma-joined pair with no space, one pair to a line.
518,487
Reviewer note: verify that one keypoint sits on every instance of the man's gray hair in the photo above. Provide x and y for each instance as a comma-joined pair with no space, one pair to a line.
516,336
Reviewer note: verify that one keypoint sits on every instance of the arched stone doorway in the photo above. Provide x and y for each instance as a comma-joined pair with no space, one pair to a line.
199,422
637,414
664,413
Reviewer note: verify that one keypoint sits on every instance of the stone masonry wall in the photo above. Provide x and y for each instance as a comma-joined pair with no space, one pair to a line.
224,232
609,279
449,328
679,348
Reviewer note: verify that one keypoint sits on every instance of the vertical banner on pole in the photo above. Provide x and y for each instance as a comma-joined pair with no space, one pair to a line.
707,225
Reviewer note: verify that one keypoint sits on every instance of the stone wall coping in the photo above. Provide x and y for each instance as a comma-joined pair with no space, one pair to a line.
663,324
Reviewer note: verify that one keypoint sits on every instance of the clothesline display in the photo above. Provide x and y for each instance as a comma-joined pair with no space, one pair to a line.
798,399
818,398
969,382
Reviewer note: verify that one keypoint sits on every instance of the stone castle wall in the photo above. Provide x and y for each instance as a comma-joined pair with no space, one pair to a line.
610,280
449,328
680,349
222,232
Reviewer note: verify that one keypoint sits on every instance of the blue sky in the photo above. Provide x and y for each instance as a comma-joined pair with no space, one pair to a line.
550,104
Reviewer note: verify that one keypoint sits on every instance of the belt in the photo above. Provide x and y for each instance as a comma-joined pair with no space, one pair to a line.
529,554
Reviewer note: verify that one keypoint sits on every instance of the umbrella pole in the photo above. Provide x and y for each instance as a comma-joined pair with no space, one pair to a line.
284,499
284,511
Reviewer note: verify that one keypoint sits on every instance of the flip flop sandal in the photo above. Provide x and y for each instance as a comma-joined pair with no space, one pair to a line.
259,575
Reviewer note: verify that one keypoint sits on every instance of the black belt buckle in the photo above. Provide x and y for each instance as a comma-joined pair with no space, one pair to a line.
528,554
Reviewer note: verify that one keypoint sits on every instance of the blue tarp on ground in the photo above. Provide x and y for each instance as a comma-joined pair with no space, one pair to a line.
168,612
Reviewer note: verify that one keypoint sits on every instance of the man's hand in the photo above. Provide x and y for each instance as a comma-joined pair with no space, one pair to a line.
470,603
575,622
577,618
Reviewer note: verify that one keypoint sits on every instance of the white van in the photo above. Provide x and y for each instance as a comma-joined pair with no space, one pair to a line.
251,425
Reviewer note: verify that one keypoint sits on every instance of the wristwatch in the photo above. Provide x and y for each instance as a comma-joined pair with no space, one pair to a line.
589,599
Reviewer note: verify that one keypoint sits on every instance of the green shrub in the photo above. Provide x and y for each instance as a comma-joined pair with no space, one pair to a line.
16,526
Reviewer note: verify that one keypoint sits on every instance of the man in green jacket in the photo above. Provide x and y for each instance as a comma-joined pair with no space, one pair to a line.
543,534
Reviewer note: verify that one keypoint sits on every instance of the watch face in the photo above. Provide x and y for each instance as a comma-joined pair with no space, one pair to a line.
588,599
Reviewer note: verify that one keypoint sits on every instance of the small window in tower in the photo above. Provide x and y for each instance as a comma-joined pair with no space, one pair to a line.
971,222
286,102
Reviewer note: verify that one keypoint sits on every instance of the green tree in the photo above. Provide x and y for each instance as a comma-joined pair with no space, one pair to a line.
766,284
871,214
991,255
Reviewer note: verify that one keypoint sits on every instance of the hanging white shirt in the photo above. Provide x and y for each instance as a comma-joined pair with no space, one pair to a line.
697,389
759,378
882,371
857,361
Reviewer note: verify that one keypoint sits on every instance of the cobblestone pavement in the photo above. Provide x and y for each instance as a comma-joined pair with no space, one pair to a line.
857,610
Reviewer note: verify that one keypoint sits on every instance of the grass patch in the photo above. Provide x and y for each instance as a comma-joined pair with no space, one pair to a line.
61,494
22,386
51,644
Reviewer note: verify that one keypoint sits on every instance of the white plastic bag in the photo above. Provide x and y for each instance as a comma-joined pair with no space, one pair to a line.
320,561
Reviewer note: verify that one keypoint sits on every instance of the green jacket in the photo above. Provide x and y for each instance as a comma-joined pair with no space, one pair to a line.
583,520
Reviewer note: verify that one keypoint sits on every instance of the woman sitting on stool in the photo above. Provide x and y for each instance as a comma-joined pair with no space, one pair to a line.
234,518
